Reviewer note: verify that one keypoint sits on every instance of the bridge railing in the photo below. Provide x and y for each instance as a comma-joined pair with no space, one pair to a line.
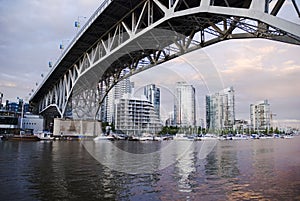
101,8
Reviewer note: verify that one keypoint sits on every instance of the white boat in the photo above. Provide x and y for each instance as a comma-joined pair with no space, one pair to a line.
276,136
254,136
157,138
120,136
183,137
266,137
209,137
104,137
45,136
146,137
240,137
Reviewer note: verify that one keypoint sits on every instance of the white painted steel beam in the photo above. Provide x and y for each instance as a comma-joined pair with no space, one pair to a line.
132,40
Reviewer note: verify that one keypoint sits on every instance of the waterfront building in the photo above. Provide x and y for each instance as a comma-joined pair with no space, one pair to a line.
152,93
32,123
9,122
260,116
108,108
136,116
17,107
12,106
241,126
185,105
170,120
11,117
220,111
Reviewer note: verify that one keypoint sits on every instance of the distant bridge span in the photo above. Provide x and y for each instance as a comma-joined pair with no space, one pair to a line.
125,37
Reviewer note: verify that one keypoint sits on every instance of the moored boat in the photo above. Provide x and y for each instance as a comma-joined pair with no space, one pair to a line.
146,137
183,137
209,137
287,137
120,136
240,137
24,138
45,136
104,138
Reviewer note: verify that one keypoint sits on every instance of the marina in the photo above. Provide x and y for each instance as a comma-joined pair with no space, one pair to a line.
177,137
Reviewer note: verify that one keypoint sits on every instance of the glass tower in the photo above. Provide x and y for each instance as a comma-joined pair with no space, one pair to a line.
185,107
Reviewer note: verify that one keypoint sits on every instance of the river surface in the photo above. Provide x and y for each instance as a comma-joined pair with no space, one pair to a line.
266,169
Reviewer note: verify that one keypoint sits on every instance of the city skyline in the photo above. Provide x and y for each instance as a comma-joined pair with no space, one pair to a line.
257,69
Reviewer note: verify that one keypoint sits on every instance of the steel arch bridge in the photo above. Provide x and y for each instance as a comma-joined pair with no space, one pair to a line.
126,37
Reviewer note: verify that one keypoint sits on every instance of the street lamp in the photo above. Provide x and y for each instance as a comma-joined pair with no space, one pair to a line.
62,45
50,64
77,23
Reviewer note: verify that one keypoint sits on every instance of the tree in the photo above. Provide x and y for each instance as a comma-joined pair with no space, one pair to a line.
169,130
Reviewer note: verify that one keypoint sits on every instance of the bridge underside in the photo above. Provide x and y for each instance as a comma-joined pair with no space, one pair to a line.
146,33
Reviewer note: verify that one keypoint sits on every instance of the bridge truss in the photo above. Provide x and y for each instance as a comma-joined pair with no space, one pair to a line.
147,33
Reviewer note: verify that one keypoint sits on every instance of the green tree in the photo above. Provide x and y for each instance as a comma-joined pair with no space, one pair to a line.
169,130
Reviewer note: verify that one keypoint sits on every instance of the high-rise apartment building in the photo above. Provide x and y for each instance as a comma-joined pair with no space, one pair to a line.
185,105
136,116
108,108
260,116
152,93
220,110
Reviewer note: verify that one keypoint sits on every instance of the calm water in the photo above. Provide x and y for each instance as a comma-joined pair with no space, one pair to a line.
68,170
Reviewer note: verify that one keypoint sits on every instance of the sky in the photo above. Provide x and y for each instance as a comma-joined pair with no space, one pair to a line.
32,30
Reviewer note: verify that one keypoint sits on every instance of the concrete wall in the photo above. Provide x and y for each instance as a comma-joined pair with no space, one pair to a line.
68,127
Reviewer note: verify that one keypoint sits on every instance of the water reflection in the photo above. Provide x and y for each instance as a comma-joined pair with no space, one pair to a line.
59,177
185,166
134,157
233,170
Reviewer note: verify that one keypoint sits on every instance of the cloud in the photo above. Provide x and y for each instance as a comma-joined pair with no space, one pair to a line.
31,32
261,69
9,85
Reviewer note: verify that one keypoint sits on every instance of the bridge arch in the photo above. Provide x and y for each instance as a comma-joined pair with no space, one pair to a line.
156,31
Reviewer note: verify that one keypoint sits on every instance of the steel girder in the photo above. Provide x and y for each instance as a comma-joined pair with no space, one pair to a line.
155,31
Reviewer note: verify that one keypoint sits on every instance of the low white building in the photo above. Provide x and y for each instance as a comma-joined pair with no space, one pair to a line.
136,116
32,123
